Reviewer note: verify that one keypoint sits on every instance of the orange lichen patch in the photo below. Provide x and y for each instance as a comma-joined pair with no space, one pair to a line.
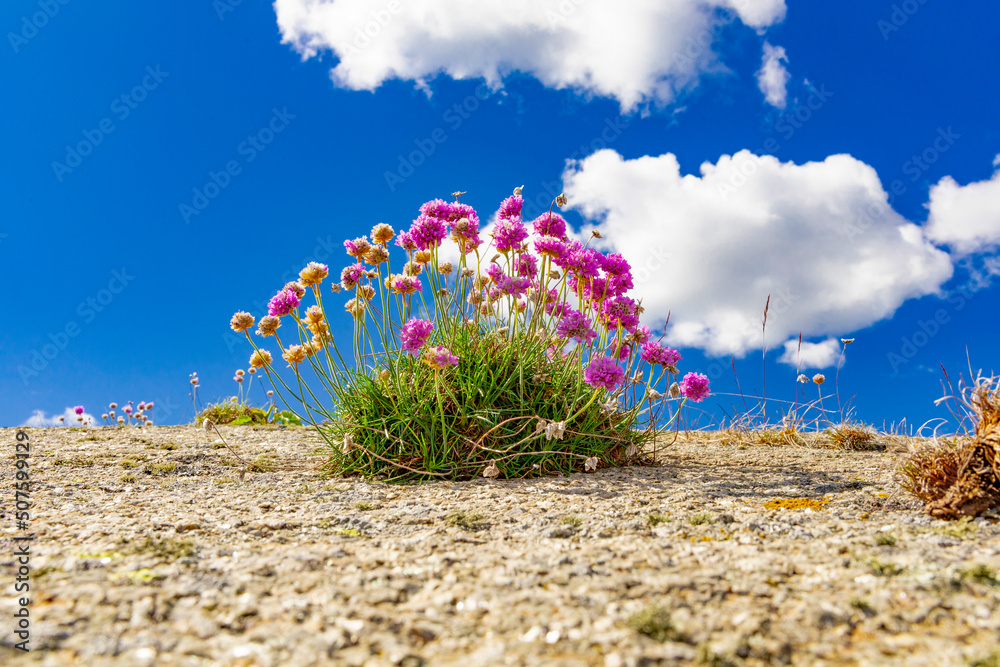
796,503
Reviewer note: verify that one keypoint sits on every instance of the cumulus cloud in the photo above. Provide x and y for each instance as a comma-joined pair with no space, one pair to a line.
812,355
711,248
772,78
632,50
966,218
39,419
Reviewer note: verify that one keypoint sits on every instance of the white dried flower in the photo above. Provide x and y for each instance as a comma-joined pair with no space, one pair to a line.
590,463
207,425
819,378
675,390
491,470
654,395
803,377
348,444
555,430
846,341
631,451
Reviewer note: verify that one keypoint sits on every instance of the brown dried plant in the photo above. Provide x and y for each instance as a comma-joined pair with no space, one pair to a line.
961,478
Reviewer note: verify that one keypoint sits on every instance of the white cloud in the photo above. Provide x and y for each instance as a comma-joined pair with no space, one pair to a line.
812,355
631,50
710,248
772,78
39,419
965,217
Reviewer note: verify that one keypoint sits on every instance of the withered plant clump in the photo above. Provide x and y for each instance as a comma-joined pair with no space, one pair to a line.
962,479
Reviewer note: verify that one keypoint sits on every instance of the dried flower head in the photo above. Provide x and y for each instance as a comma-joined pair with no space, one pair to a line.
260,359
268,325
314,316
294,355
675,390
239,371
207,425
445,268
366,292
422,256
802,377
241,321
846,341
355,307
357,247
348,444
376,255
295,287
561,200
590,463
440,357
819,378
382,233
313,274
491,470
113,405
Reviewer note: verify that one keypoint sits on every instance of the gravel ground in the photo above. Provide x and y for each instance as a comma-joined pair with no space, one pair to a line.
151,549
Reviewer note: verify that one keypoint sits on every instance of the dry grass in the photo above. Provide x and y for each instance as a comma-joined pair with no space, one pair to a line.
856,437
961,478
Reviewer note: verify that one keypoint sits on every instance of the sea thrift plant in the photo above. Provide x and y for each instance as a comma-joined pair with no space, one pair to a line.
514,353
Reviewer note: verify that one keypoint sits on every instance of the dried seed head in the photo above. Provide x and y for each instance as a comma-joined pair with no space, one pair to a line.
819,378
802,377
348,444
446,268
846,341
313,274
561,200
377,255
675,390
590,463
241,321
491,470
654,395
382,233
468,273
268,325
517,190
207,425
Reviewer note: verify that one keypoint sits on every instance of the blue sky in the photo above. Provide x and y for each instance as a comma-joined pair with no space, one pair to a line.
729,153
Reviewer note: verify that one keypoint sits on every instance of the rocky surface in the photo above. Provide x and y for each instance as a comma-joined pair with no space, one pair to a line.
151,549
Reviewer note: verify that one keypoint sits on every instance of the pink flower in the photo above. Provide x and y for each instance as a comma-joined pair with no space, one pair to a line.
695,387
641,335
511,208
414,334
149,406
526,266
283,303
552,247
657,353
509,234
78,409
550,224
351,275
440,357
428,232
406,241
620,312
406,284
624,353
127,409
575,325
603,372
